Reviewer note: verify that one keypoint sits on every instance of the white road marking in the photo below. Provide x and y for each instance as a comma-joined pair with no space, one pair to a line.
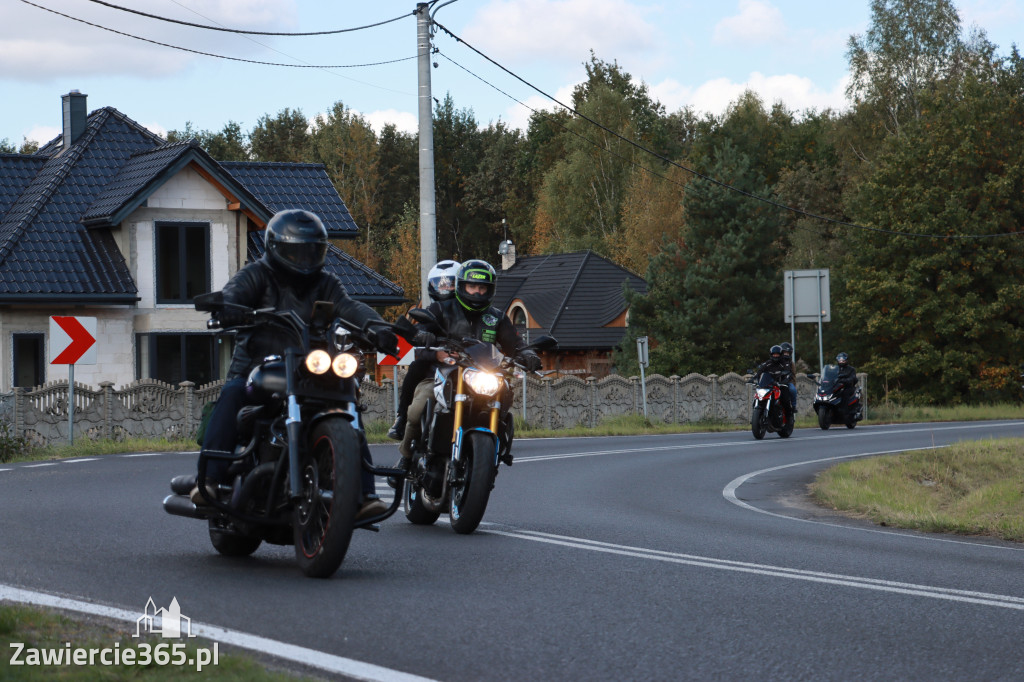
36,466
311,657
963,596
729,493
76,461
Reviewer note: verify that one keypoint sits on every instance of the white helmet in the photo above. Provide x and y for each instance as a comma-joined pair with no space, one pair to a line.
441,280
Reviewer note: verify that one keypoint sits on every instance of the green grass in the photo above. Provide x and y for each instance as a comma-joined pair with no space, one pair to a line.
971,488
41,629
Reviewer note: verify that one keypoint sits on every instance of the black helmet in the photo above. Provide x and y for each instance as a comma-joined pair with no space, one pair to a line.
775,352
296,242
787,348
842,359
475,272
441,280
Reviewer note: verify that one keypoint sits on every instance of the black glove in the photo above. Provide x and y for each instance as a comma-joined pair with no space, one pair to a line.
424,338
384,340
530,360
234,316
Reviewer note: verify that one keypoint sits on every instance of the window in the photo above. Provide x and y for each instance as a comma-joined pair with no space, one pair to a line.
29,353
174,358
182,261
519,317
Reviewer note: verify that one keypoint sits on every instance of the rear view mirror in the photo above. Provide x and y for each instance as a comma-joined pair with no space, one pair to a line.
209,302
544,343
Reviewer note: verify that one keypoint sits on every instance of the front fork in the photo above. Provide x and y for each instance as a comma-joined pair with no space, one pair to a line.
293,425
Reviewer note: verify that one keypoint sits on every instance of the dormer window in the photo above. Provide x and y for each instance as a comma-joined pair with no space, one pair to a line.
182,261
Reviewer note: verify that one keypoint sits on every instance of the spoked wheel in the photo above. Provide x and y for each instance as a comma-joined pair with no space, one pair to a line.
757,423
824,417
475,476
230,542
323,518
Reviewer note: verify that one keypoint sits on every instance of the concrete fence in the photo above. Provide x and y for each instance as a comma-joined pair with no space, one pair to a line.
152,409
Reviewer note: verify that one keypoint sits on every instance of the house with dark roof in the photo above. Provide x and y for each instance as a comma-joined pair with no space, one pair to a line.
110,221
575,297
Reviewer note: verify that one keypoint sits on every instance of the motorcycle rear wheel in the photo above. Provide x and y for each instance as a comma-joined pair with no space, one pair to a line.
477,470
851,423
824,417
416,509
757,426
324,515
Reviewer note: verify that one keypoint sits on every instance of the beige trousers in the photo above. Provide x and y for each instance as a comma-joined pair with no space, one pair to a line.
423,391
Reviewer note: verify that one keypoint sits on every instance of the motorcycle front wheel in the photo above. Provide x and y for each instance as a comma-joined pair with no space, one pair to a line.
324,514
475,476
757,423
824,417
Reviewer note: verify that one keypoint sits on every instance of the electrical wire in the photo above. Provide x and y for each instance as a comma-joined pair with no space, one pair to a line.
218,56
712,180
242,31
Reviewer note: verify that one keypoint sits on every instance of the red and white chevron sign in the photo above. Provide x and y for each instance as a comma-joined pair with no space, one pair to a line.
72,340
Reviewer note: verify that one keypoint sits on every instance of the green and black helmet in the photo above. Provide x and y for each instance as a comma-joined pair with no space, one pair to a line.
475,272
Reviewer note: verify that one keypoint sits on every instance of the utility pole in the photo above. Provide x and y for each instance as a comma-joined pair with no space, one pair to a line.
428,208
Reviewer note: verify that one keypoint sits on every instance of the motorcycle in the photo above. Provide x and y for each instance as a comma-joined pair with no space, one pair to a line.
463,432
828,402
768,413
294,475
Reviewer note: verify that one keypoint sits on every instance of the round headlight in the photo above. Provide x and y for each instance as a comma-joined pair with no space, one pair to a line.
345,365
481,383
318,362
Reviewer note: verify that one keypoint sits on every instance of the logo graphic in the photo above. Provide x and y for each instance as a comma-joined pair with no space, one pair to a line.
164,622
490,320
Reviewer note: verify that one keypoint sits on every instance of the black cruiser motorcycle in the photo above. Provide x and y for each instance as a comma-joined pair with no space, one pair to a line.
295,471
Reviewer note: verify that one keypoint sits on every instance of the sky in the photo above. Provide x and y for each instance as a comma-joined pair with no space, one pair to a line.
688,52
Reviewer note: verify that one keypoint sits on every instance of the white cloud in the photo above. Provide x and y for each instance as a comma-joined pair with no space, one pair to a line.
40,134
672,94
36,44
405,121
757,23
797,93
536,30
518,116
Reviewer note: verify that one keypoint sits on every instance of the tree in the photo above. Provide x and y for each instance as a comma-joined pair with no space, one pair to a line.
284,137
347,147
910,46
940,319
27,146
714,303
227,145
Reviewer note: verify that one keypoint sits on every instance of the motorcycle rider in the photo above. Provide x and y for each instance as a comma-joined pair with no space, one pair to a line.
440,287
787,356
782,371
290,275
848,378
469,314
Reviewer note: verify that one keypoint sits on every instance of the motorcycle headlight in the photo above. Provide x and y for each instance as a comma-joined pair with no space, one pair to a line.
762,393
345,365
318,362
481,383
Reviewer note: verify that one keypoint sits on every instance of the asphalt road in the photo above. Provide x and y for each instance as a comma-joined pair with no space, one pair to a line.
681,557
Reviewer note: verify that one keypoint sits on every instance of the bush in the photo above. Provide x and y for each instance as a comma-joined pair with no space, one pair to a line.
10,445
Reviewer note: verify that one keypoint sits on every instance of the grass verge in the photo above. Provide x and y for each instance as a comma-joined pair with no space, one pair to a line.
43,630
970,488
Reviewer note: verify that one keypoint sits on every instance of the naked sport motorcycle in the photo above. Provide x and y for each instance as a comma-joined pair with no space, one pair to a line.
768,412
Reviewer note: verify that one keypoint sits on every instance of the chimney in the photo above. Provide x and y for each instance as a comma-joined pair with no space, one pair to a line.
74,117
507,250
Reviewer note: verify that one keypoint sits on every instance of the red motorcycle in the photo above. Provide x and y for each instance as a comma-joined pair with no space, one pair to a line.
770,411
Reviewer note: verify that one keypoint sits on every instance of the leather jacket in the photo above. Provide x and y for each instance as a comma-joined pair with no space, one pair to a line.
847,375
490,325
781,370
259,285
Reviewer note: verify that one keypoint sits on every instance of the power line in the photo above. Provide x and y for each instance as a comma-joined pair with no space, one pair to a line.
210,54
237,30
713,180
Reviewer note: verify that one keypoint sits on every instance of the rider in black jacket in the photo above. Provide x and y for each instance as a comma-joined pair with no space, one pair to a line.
468,315
847,377
781,370
289,276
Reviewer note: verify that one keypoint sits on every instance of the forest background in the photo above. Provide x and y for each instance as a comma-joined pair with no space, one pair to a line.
912,197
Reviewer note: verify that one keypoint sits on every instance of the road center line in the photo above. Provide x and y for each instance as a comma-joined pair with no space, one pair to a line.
948,594
311,657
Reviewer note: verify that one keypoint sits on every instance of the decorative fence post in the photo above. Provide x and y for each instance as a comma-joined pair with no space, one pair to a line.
19,400
677,416
190,400
108,409
714,404
592,391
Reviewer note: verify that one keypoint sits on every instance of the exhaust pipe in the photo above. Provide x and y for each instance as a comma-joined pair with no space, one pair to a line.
179,505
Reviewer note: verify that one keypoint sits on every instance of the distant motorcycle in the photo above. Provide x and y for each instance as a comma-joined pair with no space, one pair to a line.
768,413
463,432
828,402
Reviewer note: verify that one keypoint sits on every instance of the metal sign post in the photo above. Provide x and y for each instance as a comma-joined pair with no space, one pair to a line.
807,300
72,340
641,352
